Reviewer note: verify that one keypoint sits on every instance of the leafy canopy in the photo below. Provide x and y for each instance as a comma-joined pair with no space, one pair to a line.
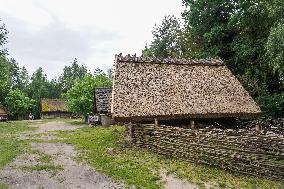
18,104
79,98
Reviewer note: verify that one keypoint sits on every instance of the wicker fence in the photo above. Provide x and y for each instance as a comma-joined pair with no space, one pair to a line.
243,150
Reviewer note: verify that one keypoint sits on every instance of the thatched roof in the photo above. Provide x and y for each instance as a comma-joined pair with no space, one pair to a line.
3,110
144,88
102,100
53,105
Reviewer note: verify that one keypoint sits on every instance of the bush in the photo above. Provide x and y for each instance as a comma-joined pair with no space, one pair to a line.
272,105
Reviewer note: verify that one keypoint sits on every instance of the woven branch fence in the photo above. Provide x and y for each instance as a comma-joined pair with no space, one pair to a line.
243,150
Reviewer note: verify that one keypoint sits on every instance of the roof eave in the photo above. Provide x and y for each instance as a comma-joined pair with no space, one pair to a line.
189,116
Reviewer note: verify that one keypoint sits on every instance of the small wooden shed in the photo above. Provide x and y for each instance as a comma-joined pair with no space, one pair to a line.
52,108
3,113
155,88
102,100
102,105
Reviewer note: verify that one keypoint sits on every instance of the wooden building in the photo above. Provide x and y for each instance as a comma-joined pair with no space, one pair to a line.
3,114
102,100
154,88
102,106
52,108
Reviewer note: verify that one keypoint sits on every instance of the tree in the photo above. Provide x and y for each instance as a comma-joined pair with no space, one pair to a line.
23,80
5,78
3,38
165,39
54,89
71,74
80,97
19,76
38,89
18,104
275,50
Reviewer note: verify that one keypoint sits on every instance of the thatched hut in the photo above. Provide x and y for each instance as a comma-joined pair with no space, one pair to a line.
102,105
153,88
52,108
3,113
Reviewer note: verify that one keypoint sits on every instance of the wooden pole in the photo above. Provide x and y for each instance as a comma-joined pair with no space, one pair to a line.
156,122
192,125
257,128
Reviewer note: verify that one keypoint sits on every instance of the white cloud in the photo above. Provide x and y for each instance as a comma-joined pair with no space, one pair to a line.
50,33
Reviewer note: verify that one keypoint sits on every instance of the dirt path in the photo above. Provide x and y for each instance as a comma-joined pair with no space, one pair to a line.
51,165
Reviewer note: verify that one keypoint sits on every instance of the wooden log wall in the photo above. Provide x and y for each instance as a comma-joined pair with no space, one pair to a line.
241,151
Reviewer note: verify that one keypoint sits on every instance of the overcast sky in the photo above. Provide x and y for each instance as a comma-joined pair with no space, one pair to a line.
51,33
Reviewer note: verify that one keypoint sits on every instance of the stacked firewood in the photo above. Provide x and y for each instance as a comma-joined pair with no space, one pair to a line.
243,151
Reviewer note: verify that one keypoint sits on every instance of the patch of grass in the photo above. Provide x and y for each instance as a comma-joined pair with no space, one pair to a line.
3,186
11,146
43,167
142,168
200,174
134,168
43,158
74,121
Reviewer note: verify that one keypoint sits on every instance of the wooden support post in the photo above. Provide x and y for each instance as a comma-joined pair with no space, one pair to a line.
130,131
257,128
156,122
192,125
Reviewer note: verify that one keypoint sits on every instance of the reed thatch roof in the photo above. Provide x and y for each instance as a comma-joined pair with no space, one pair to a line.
102,100
3,110
146,88
53,105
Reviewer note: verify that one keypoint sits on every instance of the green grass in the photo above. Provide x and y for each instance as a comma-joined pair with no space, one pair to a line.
75,122
3,186
141,168
10,145
43,167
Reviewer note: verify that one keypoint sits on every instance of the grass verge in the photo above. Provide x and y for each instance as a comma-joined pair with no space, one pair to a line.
11,146
142,168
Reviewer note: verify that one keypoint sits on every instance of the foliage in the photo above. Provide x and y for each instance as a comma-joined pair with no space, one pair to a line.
165,42
272,105
18,104
275,46
5,78
71,74
172,39
79,98
3,38
142,169
37,89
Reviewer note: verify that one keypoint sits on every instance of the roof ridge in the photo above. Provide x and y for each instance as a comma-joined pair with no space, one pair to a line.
142,59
